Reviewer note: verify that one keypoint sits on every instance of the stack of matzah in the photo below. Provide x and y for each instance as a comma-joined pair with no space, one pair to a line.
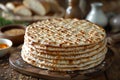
64,45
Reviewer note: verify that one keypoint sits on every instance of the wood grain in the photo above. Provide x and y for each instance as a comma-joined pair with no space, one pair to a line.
113,73
100,77
7,73
18,64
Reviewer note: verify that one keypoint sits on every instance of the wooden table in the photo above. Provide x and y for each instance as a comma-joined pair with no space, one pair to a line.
113,73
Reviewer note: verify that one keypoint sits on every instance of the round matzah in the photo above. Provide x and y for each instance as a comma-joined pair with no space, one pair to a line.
82,48
79,56
64,44
66,61
50,67
86,52
65,32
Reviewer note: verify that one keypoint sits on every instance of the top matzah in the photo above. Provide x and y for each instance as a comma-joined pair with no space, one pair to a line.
65,32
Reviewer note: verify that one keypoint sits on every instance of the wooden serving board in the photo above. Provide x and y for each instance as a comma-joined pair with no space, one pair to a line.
19,65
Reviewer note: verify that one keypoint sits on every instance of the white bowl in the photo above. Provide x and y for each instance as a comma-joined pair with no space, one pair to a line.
4,51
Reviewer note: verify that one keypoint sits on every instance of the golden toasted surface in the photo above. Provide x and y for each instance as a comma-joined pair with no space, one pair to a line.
64,44
65,32
58,67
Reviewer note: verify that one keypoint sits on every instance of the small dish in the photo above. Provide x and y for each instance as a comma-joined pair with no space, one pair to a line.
13,32
5,45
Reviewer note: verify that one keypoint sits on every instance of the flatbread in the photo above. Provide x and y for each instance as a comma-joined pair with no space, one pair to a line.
65,32
64,44
67,68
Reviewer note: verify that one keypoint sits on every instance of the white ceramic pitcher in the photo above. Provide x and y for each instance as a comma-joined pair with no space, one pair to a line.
96,15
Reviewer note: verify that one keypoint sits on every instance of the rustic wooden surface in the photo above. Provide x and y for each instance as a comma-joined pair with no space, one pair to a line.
16,62
113,73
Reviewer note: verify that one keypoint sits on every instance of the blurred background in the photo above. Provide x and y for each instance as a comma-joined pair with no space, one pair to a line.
109,5
111,9
16,15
